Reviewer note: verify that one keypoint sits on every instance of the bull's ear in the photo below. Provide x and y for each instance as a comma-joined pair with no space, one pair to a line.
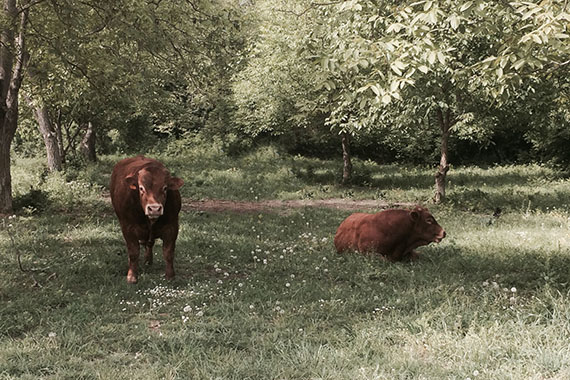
175,183
415,215
132,181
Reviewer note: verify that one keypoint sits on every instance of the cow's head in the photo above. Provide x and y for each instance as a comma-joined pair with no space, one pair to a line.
152,185
425,226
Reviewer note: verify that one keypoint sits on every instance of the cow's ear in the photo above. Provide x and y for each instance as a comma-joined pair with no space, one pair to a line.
132,181
415,215
175,183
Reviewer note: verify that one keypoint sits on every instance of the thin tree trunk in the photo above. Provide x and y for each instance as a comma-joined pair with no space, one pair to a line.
59,136
49,133
88,144
13,56
5,177
346,158
443,168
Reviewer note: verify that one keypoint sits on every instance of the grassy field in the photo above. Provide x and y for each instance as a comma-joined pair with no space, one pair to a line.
263,295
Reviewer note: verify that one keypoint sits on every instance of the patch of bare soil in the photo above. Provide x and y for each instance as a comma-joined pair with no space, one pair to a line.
219,205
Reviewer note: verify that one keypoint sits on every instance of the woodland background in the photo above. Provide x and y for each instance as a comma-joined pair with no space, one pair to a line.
416,82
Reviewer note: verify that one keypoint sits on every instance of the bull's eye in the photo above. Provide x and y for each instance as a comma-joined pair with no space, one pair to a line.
164,189
429,221
141,188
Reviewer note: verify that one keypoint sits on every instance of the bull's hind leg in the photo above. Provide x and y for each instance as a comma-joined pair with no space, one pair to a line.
148,252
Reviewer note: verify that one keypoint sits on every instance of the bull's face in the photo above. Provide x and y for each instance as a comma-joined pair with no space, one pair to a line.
152,186
425,226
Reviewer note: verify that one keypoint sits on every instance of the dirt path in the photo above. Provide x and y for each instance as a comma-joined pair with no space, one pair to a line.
218,205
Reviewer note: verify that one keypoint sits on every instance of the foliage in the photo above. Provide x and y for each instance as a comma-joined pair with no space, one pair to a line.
158,67
277,80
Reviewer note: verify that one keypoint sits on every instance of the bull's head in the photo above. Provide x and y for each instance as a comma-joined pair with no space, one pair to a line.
152,185
425,225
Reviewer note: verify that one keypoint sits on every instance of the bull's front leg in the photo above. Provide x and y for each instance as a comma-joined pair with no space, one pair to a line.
411,255
148,252
133,251
168,253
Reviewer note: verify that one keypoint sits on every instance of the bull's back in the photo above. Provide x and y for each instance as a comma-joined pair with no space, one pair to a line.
348,233
371,232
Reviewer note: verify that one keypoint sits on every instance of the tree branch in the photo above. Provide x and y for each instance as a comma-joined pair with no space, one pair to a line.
312,6
26,7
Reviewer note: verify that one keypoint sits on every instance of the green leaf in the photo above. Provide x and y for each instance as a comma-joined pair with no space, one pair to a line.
465,6
454,21
396,69
518,64
530,13
432,57
375,89
395,28
423,68
499,72
394,85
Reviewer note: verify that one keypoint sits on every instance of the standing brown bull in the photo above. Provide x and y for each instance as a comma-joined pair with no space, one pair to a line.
147,202
393,234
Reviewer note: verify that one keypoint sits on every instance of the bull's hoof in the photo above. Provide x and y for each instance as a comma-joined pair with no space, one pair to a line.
131,279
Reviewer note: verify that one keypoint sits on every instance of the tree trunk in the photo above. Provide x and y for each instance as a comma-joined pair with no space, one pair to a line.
5,177
13,56
347,163
49,133
88,144
443,168
59,136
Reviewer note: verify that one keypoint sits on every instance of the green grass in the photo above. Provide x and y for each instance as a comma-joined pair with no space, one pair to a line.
265,296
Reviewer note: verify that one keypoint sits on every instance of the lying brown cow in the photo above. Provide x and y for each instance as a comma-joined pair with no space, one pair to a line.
391,233
147,202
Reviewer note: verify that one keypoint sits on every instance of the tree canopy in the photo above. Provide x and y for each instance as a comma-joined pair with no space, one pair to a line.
418,80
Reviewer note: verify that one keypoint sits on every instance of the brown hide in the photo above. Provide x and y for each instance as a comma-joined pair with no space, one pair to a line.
390,233
147,203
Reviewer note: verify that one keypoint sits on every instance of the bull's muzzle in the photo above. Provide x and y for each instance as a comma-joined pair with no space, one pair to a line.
154,210
440,236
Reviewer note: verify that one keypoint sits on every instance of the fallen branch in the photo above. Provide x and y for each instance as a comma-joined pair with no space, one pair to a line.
36,284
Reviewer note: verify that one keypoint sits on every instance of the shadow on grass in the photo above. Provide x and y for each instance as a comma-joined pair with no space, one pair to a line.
525,269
